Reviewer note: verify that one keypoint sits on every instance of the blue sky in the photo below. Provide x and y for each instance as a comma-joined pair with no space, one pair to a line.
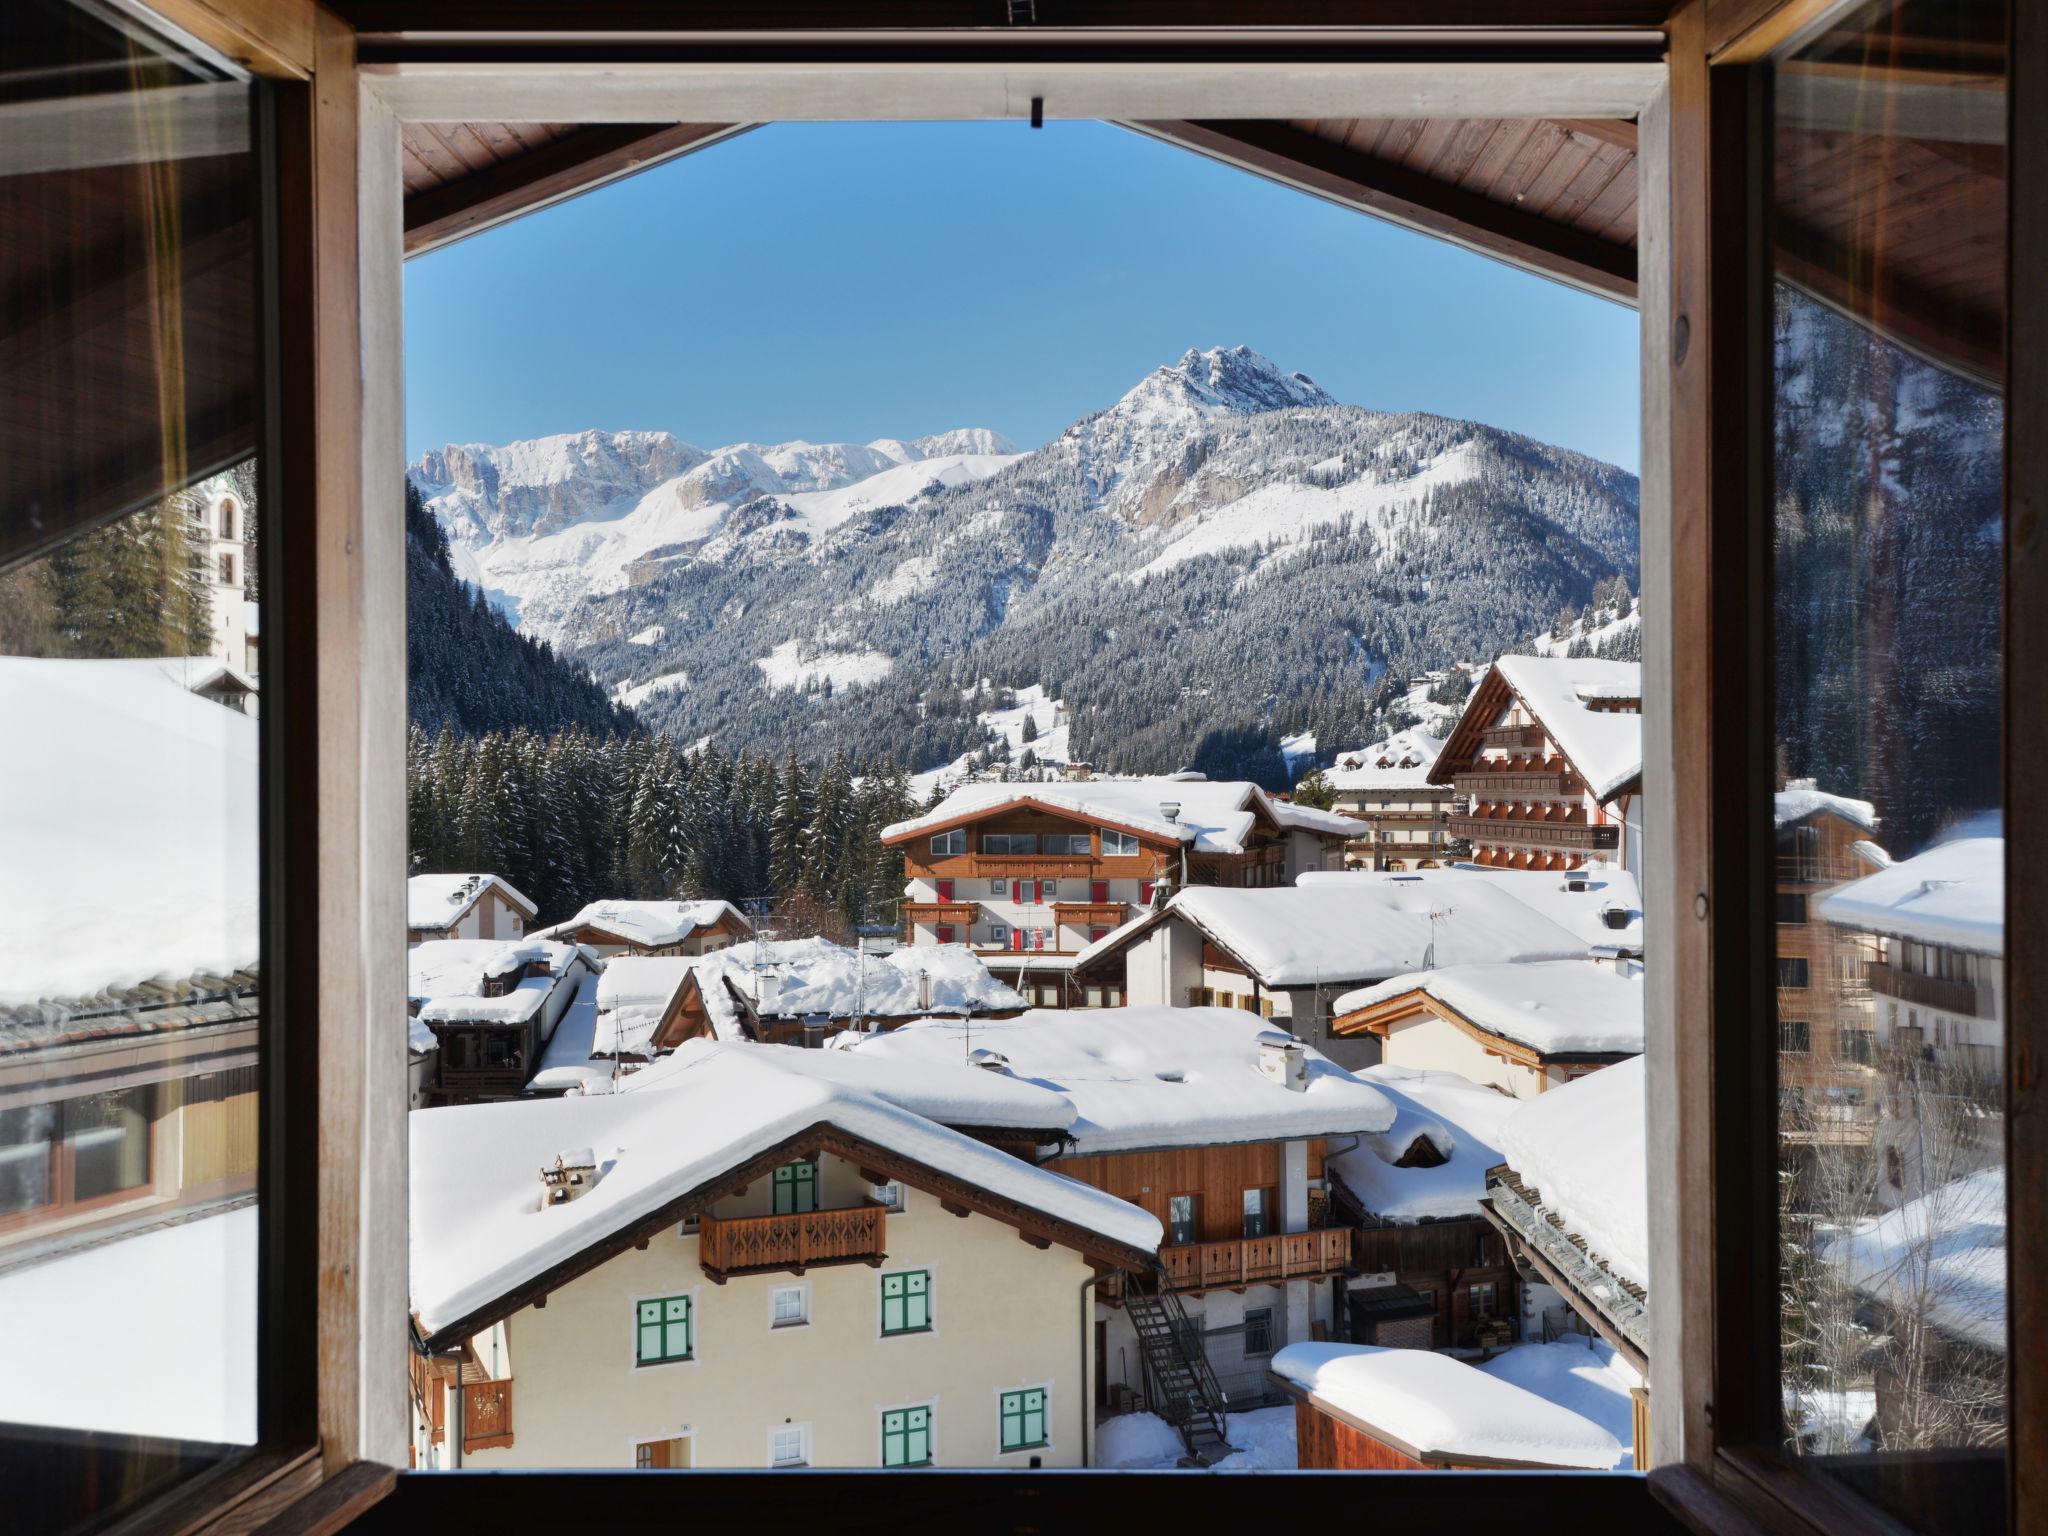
854,281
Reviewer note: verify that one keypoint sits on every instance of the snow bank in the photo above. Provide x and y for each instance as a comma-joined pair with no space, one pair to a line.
1150,1077
181,1364
1582,1148
1583,1375
1952,895
1135,1440
1555,1007
128,836
437,902
1606,746
633,695
792,664
479,1228
1442,1408
1462,1122
1144,1442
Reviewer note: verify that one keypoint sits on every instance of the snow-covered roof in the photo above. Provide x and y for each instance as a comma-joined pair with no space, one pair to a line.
567,1065
186,1291
1402,761
1944,1252
1461,1120
1150,1077
1952,895
446,977
799,978
1800,798
128,832
652,924
1601,889
1583,1373
480,1230
1213,817
434,902
952,1093
633,994
1582,1147
1605,745
1554,1007
195,674
1353,930
1441,1408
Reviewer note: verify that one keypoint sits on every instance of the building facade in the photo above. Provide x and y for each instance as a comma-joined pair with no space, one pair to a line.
1406,819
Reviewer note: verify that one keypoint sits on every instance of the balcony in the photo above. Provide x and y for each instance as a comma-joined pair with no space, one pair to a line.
753,1245
1963,997
964,913
1535,834
1512,738
1090,914
1516,786
1256,1260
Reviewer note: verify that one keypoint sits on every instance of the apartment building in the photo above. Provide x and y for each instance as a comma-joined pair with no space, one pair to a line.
1387,787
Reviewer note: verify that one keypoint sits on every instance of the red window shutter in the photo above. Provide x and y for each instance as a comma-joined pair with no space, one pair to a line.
1097,933
945,933
1098,891
1145,893
1038,893
1017,891
945,890
1016,938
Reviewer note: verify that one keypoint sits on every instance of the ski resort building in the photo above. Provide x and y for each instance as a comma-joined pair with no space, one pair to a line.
493,1009
1548,757
1387,787
1050,868
615,927
464,907
748,1259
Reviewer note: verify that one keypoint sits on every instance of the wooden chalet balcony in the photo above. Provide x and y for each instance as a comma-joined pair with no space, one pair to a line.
1512,738
1254,1260
1420,813
1514,786
752,1245
1535,834
1090,914
1795,869
482,1082
486,1415
1964,997
1030,866
962,912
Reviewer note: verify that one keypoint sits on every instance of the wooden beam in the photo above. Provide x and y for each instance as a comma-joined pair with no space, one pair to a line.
565,168
1618,131
953,1209
1283,153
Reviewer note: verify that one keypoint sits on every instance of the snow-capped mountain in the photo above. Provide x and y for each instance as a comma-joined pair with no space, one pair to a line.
1202,566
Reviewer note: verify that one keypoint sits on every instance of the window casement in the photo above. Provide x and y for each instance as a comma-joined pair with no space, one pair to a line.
1258,1212
907,1437
789,1445
662,1330
892,1197
789,1306
1183,1219
1021,1419
795,1187
227,568
906,1302
945,844
1010,843
998,887
1258,1331
1118,844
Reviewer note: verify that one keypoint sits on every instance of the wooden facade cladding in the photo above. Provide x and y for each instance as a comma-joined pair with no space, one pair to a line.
965,913
1485,785
751,1245
1329,1444
1963,997
1217,1175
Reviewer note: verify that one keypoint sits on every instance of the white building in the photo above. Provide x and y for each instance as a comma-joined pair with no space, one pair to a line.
223,530
1386,787
465,907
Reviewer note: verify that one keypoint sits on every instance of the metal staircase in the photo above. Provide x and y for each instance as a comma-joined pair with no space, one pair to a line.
1184,1389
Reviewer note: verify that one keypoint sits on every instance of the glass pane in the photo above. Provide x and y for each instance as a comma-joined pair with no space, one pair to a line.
130,935
1888,215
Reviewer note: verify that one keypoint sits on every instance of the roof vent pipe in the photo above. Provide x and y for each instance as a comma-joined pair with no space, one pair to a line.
1284,1060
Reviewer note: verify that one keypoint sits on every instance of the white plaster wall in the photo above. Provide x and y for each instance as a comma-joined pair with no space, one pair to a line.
1005,1315
1161,967
1436,1045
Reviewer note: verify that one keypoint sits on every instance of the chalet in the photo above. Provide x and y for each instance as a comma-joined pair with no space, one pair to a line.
1049,868
464,907
1571,1197
1548,756
1289,954
493,1009
1826,1039
1216,1126
1430,1270
615,927
776,1267
1523,1028
1358,1407
1387,787
804,991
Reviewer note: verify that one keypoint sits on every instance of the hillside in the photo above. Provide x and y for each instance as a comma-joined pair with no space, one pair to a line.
1223,557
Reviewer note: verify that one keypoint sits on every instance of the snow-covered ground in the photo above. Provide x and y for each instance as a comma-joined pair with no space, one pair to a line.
1582,1374
1144,1442
632,694
1048,719
792,664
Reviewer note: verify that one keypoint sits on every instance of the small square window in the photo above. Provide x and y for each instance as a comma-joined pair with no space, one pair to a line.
999,887
891,1197
1021,1416
789,1306
789,1445
907,1302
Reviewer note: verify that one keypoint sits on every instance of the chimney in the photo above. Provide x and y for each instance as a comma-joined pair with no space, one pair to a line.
574,1174
1170,809
1283,1059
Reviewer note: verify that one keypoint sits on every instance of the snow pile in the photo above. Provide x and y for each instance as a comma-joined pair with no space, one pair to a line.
1579,901
633,996
128,835
792,664
1582,1149
182,1365
1605,745
480,1229
434,903
1140,1078
195,674
799,978
1143,1442
1942,1257
1137,1440
647,924
1461,1121
1583,1375
1354,930
1442,1409
1952,895
1402,761
1210,816
1555,1007
1800,798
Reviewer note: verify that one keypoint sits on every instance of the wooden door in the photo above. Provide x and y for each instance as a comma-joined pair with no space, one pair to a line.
655,1455
796,1188
1098,892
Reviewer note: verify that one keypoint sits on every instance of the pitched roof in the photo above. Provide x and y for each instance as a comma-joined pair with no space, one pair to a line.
1213,816
1556,1008
1952,895
1944,1251
1584,1147
435,902
446,977
1604,745
651,924
1461,1121
1402,761
803,978
1580,901
481,1233
1800,799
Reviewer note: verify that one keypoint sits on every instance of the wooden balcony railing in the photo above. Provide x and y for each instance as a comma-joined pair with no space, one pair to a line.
1090,914
963,913
1964,997
1512,738
1513,786
486,1415
748,1245
1551,834
1249,1260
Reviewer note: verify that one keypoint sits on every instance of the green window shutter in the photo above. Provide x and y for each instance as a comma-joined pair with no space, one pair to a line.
1023,1419
892,1439
918,1437
892,1303
662,1330
649,1347
917,1300
1034,1416
676,1321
